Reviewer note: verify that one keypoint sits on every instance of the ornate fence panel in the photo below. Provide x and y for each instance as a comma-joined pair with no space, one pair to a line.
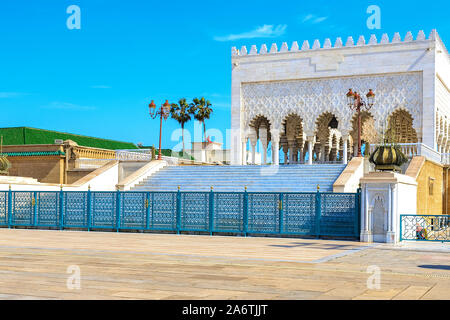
75,209
4,208
195,211
229,212
339,214
263,212
23,208
299,213
163,211
103,210
425,228
133,209
47,209
314,214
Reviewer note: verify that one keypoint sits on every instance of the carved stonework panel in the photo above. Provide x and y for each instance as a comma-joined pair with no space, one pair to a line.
310,98
369,130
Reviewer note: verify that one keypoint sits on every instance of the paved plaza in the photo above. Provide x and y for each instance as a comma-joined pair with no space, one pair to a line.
34,265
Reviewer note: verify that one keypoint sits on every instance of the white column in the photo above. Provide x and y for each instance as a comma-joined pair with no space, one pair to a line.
389,209
253,137
264,154
263,139
275,147
366,211
344,150
276,154
291,144
362,227
310,149
322,153
295,154
253,153
393,217
366,232
244,152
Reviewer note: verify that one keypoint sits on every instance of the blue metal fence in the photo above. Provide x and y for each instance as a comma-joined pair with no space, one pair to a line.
314,214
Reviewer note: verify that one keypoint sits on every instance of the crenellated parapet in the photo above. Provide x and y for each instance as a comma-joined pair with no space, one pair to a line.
339,43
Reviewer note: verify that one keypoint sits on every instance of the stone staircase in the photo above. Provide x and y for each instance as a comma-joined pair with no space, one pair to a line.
291,178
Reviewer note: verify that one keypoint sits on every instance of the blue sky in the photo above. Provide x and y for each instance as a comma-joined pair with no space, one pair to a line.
100,79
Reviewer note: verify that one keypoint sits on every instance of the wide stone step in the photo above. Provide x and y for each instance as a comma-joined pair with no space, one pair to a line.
244,174
231,190
240,190
294,178
207,187
253,168
249,167
167,169
260,179
241,183
243,178
287,168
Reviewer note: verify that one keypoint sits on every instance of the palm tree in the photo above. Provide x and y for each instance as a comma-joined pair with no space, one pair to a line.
181,112
202,111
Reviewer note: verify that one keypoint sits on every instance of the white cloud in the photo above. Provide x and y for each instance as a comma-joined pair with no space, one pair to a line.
312,18
307,17
320,19
265,31
68,106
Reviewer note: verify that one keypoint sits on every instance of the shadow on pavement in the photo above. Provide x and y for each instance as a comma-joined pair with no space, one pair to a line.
440,267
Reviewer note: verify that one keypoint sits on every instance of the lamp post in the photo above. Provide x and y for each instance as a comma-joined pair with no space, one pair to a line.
163,112
355,102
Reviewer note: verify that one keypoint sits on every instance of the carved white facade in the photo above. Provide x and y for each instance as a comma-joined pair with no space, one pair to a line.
412,75
310,98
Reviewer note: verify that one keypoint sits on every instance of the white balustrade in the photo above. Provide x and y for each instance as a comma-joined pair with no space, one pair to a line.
132,156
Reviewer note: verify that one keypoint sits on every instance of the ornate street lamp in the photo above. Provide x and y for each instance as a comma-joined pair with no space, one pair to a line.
163,112
355,102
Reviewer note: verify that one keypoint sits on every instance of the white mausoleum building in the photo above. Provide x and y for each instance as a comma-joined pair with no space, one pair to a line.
294,98
212,152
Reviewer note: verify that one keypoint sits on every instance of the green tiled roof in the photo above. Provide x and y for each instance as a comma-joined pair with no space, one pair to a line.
34,154
24,135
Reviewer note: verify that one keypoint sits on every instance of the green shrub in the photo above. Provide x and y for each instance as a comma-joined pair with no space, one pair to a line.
23,135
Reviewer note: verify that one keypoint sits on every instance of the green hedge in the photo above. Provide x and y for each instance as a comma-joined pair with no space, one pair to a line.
23,135
12,136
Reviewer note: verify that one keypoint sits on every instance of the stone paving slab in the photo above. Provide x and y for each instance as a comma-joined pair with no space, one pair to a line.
281,249
33,265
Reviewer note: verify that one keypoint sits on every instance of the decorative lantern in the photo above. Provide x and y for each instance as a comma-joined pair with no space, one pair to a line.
166,109
152,107
350,98
370,98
